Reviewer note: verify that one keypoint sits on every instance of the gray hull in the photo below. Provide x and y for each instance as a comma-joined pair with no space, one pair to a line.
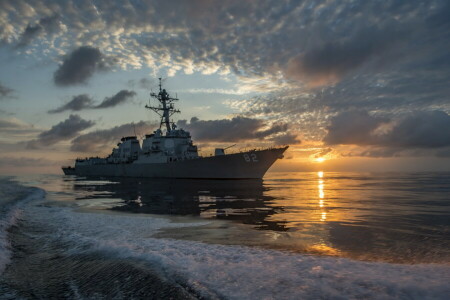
245,165
69,171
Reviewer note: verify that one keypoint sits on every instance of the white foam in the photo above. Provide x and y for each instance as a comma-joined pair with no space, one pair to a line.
8,218
235,272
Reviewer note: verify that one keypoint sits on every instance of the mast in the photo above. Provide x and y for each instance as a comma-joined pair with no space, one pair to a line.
166,109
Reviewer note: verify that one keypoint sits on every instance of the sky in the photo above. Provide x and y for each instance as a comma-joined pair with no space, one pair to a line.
349,85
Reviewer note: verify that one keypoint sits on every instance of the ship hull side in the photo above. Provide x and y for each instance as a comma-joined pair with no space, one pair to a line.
69,171
245,165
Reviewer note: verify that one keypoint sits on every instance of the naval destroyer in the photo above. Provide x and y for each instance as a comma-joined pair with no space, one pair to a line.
169,152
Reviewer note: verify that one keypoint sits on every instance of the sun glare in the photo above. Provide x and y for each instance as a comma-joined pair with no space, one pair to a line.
320,159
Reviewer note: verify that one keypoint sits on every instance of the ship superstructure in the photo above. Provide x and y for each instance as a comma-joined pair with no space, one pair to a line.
170,153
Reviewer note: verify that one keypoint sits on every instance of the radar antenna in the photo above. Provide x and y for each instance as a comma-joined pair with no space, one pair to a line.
166,109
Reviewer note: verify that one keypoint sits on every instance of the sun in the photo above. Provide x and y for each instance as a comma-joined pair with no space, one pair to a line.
320,159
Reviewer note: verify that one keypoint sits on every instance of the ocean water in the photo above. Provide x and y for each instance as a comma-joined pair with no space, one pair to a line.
290,236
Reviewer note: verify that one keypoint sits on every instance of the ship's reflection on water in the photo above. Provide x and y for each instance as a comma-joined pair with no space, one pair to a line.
390,217
243,201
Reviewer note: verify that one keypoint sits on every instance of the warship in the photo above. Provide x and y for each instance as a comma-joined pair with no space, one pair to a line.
172,154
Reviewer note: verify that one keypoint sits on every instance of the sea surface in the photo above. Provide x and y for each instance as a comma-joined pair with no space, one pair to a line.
314,235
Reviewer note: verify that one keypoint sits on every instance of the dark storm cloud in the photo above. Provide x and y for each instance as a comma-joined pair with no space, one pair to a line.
119,98
77,103
6,92
103,140
423,129
79,66
65,130
45,25
83,101
231,130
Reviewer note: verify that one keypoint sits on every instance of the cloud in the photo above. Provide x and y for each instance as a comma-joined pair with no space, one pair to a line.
233,130
18,162
65,130
119,98
104,140
83,101
323,152
352,128
12,127
79,66
422,129
146,83
427,129
6,92
44,25
330,61
11,123
285,139
77,103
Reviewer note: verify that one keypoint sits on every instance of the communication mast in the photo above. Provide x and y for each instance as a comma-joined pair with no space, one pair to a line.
166,108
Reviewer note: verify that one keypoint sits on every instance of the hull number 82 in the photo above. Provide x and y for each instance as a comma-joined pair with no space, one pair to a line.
250,157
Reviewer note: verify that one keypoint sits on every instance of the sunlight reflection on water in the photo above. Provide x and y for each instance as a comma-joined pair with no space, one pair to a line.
393,217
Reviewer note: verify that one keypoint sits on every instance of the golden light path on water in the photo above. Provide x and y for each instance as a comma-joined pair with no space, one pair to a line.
366,216
305,211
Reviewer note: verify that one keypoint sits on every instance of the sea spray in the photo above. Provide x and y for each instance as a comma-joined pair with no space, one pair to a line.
12,198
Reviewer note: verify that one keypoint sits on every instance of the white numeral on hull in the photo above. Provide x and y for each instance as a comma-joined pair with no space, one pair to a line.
250,157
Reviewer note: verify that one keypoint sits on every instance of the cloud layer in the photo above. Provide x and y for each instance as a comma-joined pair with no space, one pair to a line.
63,131
84,101
45,25
119,98
79,66
6,92
422,130
236,129
77,103
102,141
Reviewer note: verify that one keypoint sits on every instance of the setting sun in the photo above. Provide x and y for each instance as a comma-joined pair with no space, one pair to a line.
320,159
